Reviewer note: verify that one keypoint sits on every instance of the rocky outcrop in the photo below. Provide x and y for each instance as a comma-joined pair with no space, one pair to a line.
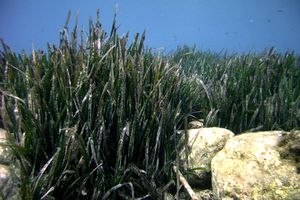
8,171
261,165
203,145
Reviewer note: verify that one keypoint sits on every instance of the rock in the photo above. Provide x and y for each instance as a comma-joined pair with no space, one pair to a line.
261,165
1,111
204,194
7,184
196,124
5,157
203,145
8,171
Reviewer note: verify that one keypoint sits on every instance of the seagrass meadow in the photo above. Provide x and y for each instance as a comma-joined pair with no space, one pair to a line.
248,92
96,117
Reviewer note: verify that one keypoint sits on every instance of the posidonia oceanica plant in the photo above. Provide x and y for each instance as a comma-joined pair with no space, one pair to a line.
95,117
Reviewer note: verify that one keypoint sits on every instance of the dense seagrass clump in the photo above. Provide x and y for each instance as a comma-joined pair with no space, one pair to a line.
94,117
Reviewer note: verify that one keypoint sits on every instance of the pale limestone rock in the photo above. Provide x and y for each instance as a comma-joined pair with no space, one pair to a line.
203,145
261,165
8,171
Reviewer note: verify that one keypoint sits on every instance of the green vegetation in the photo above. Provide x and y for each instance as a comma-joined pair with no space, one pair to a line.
98,117
246,92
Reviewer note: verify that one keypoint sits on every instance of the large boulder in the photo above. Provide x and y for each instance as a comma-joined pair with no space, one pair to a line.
261,165
203,145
